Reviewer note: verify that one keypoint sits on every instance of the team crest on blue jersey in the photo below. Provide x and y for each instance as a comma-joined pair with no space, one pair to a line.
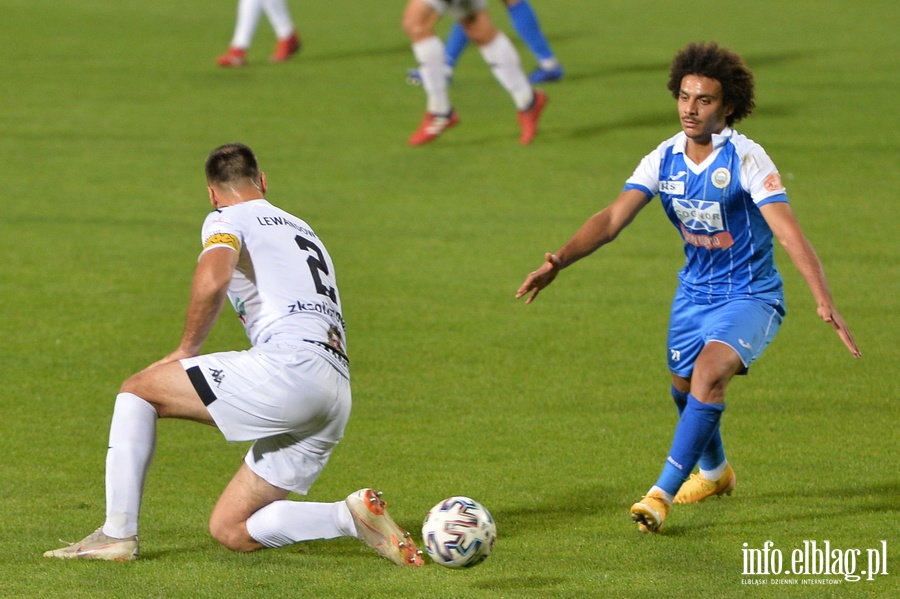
721,177
699,215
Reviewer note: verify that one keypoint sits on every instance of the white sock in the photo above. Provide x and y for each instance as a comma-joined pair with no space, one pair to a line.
714,474
667,497
503,59
548,64
280,17
429,54
247,19
287,522
132,440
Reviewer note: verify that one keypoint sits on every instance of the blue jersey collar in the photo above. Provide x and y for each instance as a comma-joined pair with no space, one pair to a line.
718,139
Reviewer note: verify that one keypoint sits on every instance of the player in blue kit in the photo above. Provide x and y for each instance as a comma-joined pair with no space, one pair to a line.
724,195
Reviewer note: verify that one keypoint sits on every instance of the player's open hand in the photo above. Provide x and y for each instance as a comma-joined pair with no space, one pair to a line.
830,315
178,354
537,280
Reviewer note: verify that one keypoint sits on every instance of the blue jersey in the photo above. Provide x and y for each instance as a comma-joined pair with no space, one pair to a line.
715,206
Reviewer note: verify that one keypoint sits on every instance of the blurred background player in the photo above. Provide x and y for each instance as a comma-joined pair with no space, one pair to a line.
419,20
526,24
248,13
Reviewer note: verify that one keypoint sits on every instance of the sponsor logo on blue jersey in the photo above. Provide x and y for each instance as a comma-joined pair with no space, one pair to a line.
699,215
675,188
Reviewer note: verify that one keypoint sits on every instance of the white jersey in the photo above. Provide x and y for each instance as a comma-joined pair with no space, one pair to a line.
284,288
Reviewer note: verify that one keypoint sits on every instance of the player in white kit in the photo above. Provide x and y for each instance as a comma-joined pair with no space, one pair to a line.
723,194
248,14
290,393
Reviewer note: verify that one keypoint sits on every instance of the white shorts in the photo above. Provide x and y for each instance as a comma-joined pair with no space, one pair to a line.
290,400
458,9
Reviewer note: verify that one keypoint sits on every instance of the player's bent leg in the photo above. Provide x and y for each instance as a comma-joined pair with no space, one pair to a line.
419,20
245,495
168,388
479,28
715,367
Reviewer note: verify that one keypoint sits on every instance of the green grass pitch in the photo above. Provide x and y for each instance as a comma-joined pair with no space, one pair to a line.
556,415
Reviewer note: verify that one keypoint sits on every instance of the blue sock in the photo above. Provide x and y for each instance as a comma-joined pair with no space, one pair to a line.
525,22
698,423
714,454
455,44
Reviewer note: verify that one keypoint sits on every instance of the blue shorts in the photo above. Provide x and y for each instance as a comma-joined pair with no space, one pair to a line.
746,325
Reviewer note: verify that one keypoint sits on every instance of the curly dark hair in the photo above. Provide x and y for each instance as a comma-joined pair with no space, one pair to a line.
715,62
232,163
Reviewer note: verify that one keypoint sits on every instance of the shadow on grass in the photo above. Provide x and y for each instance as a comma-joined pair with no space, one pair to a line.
636,122
612,71
519,583
662,68
797,505
403,49
557,135
353,55
762,60
888,490
566,506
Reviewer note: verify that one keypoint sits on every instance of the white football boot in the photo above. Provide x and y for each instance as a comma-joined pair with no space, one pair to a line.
98,545
377,529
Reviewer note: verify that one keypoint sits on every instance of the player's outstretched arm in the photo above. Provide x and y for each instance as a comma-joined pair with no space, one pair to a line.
596,232
787,230
208,293
540,278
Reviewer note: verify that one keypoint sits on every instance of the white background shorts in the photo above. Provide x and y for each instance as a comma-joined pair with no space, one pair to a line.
458,9
290,400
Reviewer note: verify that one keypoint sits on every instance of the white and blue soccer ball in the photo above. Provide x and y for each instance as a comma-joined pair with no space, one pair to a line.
459,533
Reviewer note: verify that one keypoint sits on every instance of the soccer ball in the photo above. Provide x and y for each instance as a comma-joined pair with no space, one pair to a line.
459,533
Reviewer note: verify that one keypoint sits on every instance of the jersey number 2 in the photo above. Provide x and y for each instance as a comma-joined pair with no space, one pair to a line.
316,264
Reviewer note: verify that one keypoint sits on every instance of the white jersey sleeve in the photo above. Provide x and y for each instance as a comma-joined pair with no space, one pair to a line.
758,173
218,231
646,175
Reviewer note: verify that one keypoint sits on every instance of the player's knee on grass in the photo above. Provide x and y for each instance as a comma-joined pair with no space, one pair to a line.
231,535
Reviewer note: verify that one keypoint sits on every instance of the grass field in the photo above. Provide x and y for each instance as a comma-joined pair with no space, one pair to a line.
556,416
